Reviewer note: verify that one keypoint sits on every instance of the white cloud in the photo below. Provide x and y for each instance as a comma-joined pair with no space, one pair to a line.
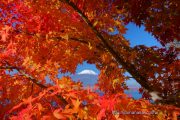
90,72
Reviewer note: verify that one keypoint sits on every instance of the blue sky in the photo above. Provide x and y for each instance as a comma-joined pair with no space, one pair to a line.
136,35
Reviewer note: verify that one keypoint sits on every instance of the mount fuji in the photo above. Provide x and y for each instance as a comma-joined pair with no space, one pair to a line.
87,77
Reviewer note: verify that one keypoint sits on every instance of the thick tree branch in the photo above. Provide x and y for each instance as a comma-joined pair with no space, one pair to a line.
141,79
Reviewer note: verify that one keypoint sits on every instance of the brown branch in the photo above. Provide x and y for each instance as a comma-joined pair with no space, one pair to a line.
59,38
35,81
142,79
54,38
7,67
128,66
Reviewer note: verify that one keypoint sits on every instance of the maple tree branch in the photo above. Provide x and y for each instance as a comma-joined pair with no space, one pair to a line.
58,38
35,81
54,38
129,77
7,67
129,67
139,77
72,38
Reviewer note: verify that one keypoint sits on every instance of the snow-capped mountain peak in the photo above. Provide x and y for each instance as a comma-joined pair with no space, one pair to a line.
89,72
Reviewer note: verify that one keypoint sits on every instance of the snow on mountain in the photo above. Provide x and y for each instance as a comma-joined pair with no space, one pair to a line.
89,72
87,77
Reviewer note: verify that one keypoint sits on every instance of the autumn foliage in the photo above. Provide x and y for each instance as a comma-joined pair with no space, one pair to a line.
40,39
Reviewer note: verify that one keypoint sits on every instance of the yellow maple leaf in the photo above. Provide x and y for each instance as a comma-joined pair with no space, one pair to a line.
76,104
111,29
